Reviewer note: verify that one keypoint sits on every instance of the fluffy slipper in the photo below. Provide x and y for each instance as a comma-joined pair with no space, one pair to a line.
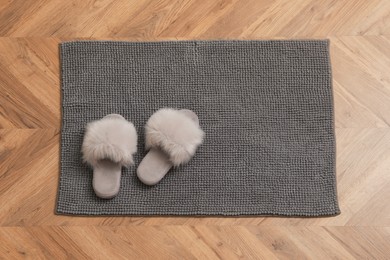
172,136
109,144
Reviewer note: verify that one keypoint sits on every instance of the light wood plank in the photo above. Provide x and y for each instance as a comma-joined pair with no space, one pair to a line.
201,242
194,18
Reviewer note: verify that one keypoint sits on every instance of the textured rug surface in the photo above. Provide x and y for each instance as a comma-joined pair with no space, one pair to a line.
266,108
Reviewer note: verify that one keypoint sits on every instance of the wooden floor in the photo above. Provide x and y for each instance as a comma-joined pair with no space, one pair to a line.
30,31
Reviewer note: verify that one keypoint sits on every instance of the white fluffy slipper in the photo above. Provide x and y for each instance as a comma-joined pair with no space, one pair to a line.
172,136
109,144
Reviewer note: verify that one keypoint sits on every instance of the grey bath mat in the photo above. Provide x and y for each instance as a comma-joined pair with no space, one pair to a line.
266,108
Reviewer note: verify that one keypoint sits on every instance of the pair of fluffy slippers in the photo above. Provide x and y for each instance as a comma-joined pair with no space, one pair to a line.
172,137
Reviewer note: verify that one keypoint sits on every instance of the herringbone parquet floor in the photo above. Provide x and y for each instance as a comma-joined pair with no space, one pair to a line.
30,31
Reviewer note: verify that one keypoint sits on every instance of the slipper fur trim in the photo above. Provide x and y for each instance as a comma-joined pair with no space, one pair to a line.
174,133
111,138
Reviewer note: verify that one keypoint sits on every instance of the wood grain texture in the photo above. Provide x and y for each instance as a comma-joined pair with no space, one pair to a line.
194,18
194,242
30,114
